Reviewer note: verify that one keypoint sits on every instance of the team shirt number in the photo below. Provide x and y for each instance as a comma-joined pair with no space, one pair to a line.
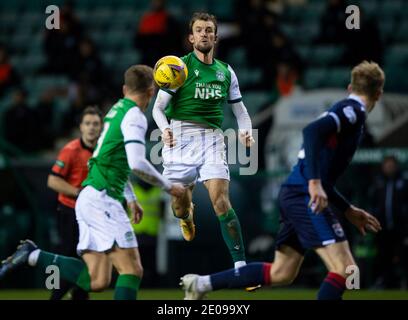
101,138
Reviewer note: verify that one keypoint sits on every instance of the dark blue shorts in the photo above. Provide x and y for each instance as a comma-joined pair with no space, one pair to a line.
301,228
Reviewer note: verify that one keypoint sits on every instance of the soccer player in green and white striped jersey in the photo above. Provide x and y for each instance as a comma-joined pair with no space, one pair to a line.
193,149
106,236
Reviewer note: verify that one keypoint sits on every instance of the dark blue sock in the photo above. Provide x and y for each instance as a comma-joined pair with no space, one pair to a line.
332,287
250,275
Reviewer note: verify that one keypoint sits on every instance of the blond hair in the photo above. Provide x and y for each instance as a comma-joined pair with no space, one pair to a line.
367,78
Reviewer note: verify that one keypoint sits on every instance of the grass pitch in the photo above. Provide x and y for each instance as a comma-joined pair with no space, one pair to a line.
177,294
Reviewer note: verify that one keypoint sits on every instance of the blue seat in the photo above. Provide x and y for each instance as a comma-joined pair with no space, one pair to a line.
116,40
315,78
390,9
255,100
338,78
125,59
108,57
8,19
307,33
312,12
387,29
325,55
290,30
370,7
237,57
397,55
401,34
247,76
222,9
304,51
396,80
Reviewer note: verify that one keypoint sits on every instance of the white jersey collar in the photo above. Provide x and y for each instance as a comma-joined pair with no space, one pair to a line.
358,99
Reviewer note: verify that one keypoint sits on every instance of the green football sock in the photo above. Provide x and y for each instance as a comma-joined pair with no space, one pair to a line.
71,269
231,232
126,287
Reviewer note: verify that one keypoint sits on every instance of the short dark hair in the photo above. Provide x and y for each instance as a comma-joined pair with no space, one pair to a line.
139,78
93,110
202,16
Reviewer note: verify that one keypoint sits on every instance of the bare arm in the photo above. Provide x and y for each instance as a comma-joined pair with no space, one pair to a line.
59,185
362,220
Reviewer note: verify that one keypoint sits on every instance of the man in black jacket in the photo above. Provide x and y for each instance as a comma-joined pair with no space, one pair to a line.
390,201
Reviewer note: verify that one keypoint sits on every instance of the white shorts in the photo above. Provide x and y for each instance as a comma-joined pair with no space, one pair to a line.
103,222
199,155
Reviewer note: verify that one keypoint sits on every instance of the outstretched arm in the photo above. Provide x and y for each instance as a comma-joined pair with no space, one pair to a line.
244,123
134,126
162,100
239,111
141,167
362,220
144,169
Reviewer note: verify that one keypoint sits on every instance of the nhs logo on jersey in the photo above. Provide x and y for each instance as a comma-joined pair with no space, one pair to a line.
207,91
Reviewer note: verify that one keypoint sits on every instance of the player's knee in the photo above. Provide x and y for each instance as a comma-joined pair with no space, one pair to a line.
342,267
138,271
132,266
282,276
100,284
221,204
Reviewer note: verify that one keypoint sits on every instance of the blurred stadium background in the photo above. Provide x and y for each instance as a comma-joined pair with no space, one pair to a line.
292,58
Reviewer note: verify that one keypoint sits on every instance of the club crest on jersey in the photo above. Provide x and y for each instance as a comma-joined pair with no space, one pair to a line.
220,75
350,114
129,236
338,230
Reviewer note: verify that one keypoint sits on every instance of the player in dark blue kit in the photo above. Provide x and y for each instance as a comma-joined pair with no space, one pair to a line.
307,222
